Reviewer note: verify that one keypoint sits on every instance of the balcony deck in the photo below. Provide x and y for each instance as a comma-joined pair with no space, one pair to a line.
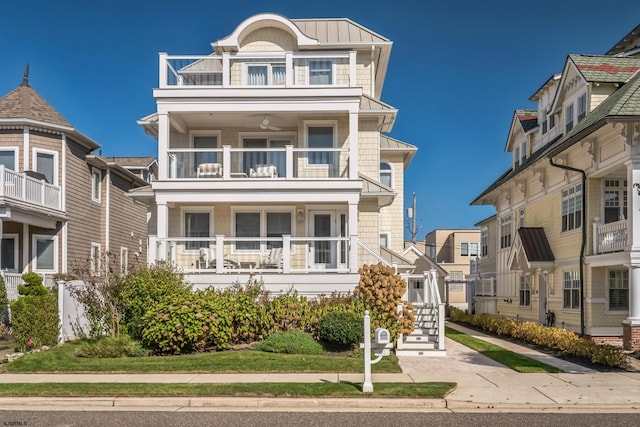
19,187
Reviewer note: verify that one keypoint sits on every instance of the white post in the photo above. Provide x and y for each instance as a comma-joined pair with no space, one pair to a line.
162,77
226,161
289,162
219,253
367,385
353,145
286,253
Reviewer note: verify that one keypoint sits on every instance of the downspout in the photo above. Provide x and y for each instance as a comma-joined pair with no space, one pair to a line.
584,235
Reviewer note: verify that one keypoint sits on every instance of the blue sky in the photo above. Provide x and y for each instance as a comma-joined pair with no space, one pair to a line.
458,70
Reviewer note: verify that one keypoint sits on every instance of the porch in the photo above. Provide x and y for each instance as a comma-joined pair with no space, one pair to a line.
27,191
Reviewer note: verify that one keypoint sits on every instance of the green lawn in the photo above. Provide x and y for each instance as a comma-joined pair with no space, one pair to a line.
343,389
517,362
61,360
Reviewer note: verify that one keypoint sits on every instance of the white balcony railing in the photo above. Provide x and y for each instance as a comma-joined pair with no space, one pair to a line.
259,70
485,287
285,254
241,163
609,237
13,280
19,186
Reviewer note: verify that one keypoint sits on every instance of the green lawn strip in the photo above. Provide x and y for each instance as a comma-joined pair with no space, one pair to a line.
435,390
61,360
517,362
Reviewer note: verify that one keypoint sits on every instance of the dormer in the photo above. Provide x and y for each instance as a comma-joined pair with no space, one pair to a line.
586,81
521,134
546,119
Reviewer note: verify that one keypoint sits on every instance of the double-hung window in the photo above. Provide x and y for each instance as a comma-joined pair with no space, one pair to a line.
46,252
9,252
525,291
572,208
96,180
571,290
505,232
45,163
320,137
582,107
484,241
386,174
94,260
568,117
124,260
619,290
320,72
615,200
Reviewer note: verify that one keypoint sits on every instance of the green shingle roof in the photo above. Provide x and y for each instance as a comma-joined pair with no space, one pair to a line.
605,69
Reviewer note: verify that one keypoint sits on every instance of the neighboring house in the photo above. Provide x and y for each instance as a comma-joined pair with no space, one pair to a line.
62,207
564,247
273,161
145,168
453,250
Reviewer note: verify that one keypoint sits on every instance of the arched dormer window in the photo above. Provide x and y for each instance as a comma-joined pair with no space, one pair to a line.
386,174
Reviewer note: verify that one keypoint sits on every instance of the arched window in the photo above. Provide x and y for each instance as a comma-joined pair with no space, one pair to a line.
386,174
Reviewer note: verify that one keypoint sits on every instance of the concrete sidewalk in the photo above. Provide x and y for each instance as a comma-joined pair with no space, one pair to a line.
482,385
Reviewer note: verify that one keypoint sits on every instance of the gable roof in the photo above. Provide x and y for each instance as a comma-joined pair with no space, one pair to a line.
605,69
24,103
422,256
135,162
525,119
628,44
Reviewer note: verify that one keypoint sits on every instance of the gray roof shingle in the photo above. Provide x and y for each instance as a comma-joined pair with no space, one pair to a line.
24,103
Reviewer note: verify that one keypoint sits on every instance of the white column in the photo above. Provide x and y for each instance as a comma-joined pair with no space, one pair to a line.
353,145
162,78
633,205
288,61
352,69
25,248
164,129
353,234
226,69
226,161
634,296
162,229
25,150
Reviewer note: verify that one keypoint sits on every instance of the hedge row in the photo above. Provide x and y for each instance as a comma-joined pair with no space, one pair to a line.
553,338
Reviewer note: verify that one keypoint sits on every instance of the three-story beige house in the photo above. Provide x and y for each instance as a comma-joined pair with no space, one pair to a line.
564,246
274,160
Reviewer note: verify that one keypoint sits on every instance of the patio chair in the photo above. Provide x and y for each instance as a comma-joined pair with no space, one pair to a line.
273,260
209,170
264,171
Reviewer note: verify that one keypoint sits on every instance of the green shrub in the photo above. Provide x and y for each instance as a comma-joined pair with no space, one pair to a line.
35,321
110,347
291,342
5,331
179,325
341,327
3,293
145,287
32,285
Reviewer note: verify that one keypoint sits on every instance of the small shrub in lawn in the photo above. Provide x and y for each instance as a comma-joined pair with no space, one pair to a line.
341,328
35,321
291,342
110,347
3,294
5,331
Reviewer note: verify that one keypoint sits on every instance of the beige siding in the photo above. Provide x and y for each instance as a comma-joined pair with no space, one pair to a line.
268,40
369,149
13,138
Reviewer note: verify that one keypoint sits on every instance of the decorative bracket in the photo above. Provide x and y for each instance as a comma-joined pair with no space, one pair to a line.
589,148
521,186
539,175
631,133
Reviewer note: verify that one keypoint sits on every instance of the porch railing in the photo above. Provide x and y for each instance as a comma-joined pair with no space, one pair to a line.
259,70
13,280
485,287
609,237
285,254
228,163
19,186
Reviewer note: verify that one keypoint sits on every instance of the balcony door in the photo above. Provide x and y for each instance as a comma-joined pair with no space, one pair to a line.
330,253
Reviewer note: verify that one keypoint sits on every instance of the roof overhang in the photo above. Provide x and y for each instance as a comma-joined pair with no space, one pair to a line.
66,130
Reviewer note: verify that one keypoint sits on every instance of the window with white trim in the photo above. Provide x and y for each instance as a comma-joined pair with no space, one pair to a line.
568,117
262,226
552,121
618,289
521,218
45,253
95,258
484,242
525,291
9,252
615,200
386,174
572,208
96,181
9,157
520,154
197,224
266,74
320,72
320,136
582,107
505,232
545,122
571,290
124,261
468,249
251,159
46,163
385,238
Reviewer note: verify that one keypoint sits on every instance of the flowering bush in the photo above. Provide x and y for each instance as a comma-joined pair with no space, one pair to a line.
553,338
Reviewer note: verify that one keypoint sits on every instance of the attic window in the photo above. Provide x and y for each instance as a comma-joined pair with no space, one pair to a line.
568,117
582,107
